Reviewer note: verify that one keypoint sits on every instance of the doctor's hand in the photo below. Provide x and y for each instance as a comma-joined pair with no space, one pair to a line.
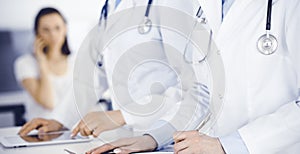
196,142
42,125
127,145
96,122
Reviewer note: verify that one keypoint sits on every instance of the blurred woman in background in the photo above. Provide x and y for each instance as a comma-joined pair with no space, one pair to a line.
46,75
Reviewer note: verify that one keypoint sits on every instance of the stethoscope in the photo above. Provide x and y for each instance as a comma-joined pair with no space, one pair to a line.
103,15
203,20
145,26
267,44
104,12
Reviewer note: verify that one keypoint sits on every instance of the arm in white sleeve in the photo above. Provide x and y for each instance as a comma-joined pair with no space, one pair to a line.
191,107
89,80
76,104
185,115
162,132
274,132
66,112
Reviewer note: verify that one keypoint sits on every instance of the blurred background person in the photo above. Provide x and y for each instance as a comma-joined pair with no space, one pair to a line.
16,39
46,74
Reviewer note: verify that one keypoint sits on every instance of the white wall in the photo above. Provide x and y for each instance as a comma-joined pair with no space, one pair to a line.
81,15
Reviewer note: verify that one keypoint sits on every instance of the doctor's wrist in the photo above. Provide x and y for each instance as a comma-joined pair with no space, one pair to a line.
117,117
150,141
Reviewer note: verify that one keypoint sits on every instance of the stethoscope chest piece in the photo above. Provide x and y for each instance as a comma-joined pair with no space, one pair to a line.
267,44
145,26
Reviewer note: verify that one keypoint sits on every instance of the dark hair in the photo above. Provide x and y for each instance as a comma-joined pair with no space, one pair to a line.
45,11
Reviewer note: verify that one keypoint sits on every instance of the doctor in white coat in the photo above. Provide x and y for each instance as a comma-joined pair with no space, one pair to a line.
152,67
184,114
261,110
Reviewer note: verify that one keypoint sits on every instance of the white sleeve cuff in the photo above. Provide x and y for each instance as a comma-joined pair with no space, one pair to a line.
127,117
233,144
162,132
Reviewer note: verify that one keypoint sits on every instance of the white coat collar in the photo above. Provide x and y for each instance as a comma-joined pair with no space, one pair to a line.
213,12
235,18
113,25
124,5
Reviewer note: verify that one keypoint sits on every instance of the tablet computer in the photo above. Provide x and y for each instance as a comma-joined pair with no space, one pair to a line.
42,139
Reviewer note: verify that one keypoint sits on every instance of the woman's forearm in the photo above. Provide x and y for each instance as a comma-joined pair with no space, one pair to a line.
45,95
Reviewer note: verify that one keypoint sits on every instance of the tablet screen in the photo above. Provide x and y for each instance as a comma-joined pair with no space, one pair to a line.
45,137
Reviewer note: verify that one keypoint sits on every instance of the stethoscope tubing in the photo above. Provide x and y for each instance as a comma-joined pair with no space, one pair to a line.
148,8
267,44
269,15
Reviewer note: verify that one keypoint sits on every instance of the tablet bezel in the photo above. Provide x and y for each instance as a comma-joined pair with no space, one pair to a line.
6,143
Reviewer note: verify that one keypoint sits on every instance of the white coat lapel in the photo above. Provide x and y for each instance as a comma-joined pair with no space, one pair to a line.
117,16
112,24
213,11
237,17
125,16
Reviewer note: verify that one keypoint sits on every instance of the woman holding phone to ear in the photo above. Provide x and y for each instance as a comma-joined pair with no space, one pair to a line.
46,75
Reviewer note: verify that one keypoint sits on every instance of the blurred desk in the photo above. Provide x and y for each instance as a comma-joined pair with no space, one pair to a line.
12,98
78,148
12,108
